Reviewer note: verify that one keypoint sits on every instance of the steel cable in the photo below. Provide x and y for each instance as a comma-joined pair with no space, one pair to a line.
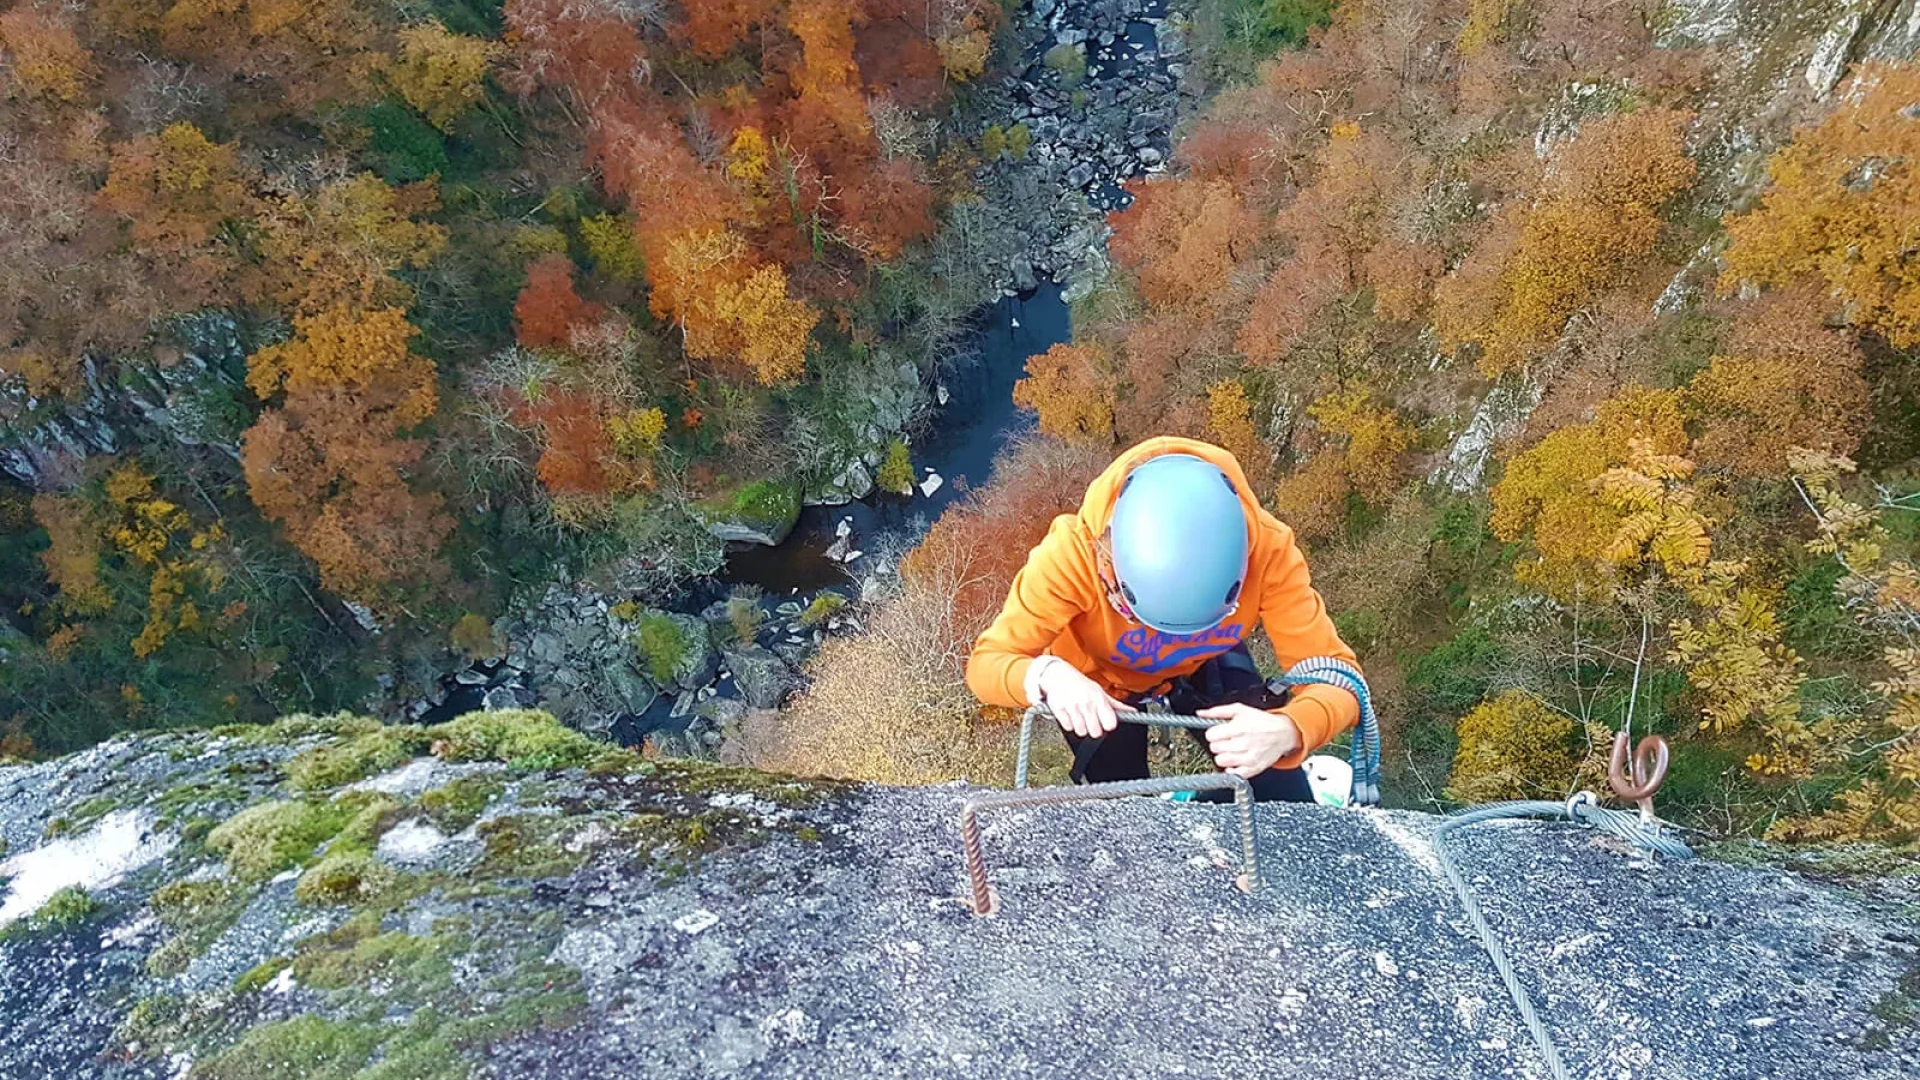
1641,830
1582,808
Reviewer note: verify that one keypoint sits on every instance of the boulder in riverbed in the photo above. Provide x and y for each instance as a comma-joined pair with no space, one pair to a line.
763,677
762,512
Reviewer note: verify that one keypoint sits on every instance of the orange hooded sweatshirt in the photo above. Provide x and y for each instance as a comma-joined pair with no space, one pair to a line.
1058,606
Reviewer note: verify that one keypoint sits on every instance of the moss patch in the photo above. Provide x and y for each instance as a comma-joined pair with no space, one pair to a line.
151,1020
522,738
69,907
767,506
343,878
259,975
358,955
531,846
700,779
768,502
457,804
338,764
304,1048
661,646
263,840
291,729
824,607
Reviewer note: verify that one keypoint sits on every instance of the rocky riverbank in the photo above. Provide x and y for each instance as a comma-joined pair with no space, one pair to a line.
1088,103
621,671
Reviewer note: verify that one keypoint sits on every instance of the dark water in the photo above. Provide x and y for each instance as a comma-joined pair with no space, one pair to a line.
1138,47
959,446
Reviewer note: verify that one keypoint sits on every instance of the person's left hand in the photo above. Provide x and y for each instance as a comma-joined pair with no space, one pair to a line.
1251,740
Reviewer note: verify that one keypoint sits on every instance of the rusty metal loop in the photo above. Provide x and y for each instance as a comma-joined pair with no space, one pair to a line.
983,895
1637,781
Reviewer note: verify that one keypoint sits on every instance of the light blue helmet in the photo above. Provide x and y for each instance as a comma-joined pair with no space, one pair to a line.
1179,543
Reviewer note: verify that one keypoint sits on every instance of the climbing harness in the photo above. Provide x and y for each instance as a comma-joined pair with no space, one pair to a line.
1632,777
1326,670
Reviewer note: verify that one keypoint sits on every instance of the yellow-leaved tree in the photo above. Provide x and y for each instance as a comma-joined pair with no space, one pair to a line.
1367,443
1514,746
730,306
343,243
1730,641
1071,387
441,73
1839,208
45,54
1547,493
1230,424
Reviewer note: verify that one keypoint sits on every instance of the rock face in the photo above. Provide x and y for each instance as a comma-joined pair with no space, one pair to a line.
189,392
822,934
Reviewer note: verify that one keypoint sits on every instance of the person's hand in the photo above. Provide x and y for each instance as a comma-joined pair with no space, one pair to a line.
1077,702
1251,740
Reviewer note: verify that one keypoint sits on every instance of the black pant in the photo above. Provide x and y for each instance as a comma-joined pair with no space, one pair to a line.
1230,677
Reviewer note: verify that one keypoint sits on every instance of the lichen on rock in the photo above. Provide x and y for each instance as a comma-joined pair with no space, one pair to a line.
323,901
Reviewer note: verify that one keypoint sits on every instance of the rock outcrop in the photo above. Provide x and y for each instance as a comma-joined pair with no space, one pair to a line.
499,897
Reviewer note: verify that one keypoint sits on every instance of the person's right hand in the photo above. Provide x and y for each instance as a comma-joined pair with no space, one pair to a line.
1077,702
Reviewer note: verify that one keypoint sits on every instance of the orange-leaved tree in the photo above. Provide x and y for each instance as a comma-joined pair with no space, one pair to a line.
1336,226
548,308
714,27
317,49
826,83
331,463
1786,381
178,190
590,51
1182,239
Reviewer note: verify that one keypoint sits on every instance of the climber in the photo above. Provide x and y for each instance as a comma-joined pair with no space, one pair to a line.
1150,592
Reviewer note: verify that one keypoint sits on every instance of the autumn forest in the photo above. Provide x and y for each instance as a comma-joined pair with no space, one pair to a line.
1574,338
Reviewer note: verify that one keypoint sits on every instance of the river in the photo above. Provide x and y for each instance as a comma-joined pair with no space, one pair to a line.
959,446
